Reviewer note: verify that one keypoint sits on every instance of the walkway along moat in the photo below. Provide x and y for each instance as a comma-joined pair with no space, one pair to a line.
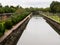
39,32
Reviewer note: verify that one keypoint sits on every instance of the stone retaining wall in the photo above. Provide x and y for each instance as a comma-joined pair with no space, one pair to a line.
14,36
54,23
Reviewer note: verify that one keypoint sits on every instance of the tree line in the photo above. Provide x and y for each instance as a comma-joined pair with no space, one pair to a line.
54,8
8,9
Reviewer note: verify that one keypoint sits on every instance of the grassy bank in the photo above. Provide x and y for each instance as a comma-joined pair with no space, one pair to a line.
52,16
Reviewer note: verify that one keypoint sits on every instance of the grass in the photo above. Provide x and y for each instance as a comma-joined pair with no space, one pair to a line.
54,17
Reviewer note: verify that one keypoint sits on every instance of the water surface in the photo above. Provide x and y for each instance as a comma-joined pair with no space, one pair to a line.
39,32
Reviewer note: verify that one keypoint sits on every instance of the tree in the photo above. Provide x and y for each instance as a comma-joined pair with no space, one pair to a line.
12,9
7,9
55,6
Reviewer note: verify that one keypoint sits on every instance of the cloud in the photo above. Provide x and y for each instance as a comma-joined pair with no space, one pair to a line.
36,4
27,3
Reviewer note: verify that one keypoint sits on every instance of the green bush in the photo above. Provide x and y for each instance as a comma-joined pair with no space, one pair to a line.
13,20
2,28
18,17
8,24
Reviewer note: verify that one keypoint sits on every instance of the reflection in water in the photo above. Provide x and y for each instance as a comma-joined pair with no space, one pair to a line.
39,32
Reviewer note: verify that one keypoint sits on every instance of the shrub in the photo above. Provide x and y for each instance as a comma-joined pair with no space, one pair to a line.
13,19
8,24
2,28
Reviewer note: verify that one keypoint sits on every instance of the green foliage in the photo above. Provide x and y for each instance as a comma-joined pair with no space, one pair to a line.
2,28
8,24
18,16
1,10
7,9
20,11
13,18
55,6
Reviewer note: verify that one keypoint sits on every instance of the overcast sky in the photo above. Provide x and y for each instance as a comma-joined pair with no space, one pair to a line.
28,3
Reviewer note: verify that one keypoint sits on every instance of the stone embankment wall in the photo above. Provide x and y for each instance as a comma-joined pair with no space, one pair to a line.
14,36
54,23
